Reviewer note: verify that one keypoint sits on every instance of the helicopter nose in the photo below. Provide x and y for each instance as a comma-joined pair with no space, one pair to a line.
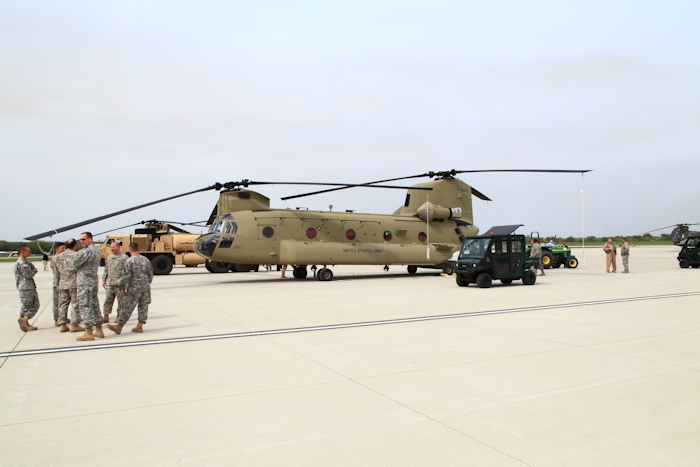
206,244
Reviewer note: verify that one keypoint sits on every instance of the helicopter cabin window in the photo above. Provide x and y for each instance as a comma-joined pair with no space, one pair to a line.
268,232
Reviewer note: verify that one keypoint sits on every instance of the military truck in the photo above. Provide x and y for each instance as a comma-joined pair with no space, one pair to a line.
166,246
498,255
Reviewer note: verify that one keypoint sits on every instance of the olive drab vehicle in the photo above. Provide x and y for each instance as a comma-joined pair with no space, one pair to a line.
425,231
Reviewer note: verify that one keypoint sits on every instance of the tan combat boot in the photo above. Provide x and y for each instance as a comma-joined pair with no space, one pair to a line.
55,323
64,328
98,331
76,328
88,336
116,318
22,325
138,328
116,328
105,318
29,326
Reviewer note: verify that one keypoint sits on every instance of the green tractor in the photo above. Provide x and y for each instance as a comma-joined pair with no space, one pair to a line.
553,256
690,253
500,255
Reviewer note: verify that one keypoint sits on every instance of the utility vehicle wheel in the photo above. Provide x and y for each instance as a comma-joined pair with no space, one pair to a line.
412,269
218,267
506,281
571,262
300,272
484,280
529,278
162,265
547,259
462,281
449,270
324,275
684,263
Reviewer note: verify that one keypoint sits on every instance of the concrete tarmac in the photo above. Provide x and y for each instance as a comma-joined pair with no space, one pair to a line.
583,368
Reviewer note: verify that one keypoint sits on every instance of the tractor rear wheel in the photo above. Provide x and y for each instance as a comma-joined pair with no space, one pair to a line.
547,259
484,280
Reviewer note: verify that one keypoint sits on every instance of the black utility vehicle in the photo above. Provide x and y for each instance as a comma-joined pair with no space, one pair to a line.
496,255
690,253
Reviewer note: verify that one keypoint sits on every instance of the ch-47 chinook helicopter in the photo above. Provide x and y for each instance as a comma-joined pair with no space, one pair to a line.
679,233
424,232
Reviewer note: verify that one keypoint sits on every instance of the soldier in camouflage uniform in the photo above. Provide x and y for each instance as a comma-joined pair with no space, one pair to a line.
24,280
625,254
136,286
60,248
67,276
87,262
111,280
536,252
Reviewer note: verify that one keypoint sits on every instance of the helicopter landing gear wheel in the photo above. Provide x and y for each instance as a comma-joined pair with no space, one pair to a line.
300,272
449,270
484,280
218,267
324,274
412,269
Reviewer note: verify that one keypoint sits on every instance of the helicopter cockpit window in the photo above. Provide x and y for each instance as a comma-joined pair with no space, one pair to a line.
230,228
475,248
219,223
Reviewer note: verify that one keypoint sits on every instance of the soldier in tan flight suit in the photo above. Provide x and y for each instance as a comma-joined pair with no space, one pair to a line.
610,256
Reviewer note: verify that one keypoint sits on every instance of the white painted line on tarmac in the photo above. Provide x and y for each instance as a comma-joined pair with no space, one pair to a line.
271,332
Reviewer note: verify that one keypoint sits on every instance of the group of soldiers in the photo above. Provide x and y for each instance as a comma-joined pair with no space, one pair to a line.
75,281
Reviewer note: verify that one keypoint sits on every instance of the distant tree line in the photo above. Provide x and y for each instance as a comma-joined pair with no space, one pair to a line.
616,238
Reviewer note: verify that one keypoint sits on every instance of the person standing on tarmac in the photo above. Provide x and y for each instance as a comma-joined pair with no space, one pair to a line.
536,252
60,248
67,288
24,280
45,260
87,262
136,288
610,256
111,280
625,255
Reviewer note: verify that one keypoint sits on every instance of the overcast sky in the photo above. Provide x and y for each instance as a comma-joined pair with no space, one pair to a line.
105,105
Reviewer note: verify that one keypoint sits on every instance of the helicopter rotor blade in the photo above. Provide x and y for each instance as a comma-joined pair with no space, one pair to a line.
431,174
480,195
123,211
663,228
118,228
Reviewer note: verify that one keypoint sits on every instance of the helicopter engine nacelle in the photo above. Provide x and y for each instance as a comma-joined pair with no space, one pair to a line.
437,213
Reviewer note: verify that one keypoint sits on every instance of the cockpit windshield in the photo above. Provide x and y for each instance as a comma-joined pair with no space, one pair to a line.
224,222
475,248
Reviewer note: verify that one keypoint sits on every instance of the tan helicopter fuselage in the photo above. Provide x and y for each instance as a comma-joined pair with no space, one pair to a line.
425,231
